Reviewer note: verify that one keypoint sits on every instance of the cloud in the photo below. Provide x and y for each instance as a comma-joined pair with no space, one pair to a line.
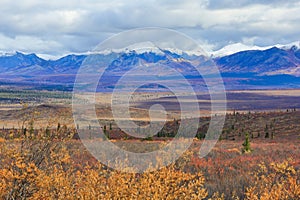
228,4
57,27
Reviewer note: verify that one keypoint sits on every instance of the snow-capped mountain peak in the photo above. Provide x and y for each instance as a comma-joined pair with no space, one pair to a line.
139,48
294,45
238,47
6,54
235,48
150,47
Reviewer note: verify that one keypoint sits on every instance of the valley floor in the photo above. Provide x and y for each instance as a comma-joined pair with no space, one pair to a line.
48,161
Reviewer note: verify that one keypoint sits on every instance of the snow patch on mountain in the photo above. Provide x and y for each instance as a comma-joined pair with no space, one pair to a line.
139,48
235,48
150,47
238,47
6,54
293,45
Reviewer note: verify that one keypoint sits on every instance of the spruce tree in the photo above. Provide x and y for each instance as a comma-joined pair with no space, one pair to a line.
246,144
58,126
267,132
31,129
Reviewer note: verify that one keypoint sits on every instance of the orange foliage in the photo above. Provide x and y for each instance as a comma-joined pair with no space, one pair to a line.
275,182
55,177
44,169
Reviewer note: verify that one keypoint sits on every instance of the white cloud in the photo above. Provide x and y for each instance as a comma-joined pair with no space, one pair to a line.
28,44
77,25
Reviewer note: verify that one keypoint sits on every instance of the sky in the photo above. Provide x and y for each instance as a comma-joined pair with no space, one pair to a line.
57,27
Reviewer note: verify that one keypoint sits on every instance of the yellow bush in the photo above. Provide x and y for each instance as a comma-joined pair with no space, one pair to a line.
54,177
45,170
276,182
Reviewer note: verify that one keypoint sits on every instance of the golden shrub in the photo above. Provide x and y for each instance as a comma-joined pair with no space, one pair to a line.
275,182
39,171
46,170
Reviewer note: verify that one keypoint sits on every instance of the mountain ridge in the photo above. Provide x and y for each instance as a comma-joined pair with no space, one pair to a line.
252,65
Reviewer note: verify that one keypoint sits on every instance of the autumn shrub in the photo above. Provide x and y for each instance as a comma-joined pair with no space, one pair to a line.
45,170
25,163
57,169
278,181
166,183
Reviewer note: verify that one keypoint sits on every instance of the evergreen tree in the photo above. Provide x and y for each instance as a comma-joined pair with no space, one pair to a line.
47,132
58,126
104,129
246,144
267,132
25,132
31,129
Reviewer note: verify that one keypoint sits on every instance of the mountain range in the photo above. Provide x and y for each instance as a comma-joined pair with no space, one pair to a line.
252,68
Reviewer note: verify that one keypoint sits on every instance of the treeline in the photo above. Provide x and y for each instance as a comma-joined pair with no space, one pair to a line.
13,94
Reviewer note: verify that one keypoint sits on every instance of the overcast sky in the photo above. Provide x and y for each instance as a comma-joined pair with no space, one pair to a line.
57,27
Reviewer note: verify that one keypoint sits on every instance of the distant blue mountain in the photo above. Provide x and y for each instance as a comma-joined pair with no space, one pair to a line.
245,69
21,64
68,64
31,64
260,62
